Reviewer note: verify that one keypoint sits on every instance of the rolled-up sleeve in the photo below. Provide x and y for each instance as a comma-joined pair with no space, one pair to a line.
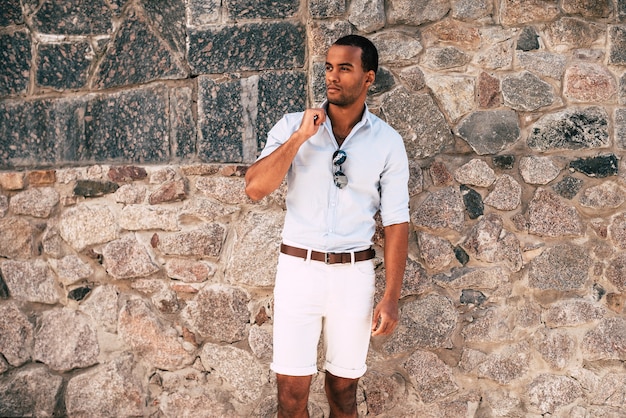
394,191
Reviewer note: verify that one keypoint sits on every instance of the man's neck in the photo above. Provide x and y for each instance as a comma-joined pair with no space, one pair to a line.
343,118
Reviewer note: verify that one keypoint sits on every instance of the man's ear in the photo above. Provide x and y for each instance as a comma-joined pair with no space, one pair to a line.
371,77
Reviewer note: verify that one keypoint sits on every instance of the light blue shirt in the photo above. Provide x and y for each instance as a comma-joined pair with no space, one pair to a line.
322,217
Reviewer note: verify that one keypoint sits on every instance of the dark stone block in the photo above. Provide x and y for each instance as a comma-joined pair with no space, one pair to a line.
617,45
474,297
41,132
249,47
600,166
136,55
15,56
461,255
131,126
64,66
259,9
73,17
384,81
473,202
504,162
318,82
11,13
168,18
92,188
279,93
221,123
4,290
571,129
490,131
182,123
568,187
621,10
528,40
79,293
598,291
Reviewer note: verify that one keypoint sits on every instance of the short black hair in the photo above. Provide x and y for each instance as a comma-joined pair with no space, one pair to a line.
369,54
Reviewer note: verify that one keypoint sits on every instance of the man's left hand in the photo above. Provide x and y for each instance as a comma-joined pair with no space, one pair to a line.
385,317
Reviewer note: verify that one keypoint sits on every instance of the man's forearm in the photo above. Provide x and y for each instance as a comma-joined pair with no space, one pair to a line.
395,254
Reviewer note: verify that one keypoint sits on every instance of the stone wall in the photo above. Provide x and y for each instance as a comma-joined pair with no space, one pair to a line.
136,277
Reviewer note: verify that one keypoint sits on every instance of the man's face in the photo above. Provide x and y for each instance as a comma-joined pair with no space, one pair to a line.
346,81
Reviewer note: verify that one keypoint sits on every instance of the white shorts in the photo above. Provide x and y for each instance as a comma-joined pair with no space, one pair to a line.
309,296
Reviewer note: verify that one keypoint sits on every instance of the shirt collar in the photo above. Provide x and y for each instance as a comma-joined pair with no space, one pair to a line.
367,116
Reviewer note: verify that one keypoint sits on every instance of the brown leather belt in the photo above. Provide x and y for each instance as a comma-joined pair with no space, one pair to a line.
328,258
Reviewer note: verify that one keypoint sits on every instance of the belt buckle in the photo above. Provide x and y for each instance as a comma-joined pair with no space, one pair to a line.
327,258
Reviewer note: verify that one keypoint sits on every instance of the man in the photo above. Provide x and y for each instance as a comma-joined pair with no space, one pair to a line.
343,164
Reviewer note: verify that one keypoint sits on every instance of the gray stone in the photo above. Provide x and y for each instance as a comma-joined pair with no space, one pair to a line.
16,344
617,45
443,58
432,378
482,278
31,281
237,367
367,15
71,269
608,195
538,170
206,240
323,33
11,13
471,9
93,188
384,82
489,326
506,194
497,56
38,202
126,258
187,392
140,217
413,78
73,18
168,20
546,64
489,132
441,209
616,272
568,187
226,305
563,267
547,392
415,280
427,322
424,129
101,307
131,125
137,54
203,12
416,178
617,230
549,216
16,238
156,342
504,367
31,391
526,92
84,225
395,47
64,66
571,313
456,94
620,127
15,61
475,172
64,340
414,13
125,394
323,9
243,47
258,237
183,129
528,39
436,252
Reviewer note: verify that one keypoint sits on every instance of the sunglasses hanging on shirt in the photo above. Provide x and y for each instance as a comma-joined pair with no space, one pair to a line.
340,179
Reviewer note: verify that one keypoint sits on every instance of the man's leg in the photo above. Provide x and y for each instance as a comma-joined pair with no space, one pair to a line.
341,394
293,396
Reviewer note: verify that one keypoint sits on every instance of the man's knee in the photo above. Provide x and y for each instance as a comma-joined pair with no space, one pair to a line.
293,394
